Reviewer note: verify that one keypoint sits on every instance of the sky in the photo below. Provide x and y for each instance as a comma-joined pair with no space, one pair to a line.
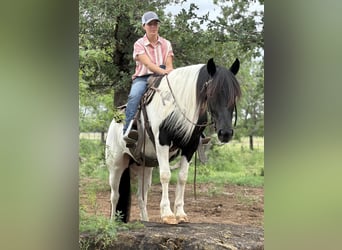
204,7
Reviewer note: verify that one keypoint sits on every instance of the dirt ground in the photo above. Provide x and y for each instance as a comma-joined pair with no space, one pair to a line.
228,204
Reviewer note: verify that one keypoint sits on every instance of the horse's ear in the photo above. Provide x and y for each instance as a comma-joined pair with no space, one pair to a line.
211,67
235,67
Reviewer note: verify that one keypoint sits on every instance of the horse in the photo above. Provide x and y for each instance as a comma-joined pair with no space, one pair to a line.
177,115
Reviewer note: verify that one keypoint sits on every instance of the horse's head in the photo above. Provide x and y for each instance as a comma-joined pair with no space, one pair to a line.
222,92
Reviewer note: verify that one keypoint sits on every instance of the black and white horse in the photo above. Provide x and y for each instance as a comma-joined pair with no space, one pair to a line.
177,116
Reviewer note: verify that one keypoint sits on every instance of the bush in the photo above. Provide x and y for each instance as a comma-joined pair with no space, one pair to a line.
91,157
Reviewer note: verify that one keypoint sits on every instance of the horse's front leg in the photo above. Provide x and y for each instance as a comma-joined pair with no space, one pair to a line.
179,200
165,174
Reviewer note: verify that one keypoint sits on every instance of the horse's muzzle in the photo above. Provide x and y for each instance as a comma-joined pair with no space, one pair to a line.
225,135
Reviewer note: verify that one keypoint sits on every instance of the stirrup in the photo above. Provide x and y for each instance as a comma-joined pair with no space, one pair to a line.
131,138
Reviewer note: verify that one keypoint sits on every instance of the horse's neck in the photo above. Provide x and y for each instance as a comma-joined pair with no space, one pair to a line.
183,82
176,102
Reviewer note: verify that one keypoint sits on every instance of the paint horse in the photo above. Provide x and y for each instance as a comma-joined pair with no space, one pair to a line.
177,116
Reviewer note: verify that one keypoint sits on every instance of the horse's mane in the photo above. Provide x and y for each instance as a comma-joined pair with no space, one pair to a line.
183,82
223,86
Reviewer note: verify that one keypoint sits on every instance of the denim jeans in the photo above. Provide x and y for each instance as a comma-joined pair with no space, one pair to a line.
138,89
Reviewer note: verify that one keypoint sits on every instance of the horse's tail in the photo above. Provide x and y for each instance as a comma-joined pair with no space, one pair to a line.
124,203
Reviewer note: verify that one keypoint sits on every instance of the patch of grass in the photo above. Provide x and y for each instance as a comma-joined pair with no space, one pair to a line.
228,178
246,199
100,230
233,164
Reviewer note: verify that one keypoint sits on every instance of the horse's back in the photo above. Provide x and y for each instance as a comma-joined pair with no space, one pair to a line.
114,141
112,132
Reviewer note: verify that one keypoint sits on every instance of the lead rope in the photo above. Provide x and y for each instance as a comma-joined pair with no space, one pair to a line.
144,162
195,174
235,115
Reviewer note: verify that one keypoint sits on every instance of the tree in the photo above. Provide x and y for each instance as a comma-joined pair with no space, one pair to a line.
252,103
241,25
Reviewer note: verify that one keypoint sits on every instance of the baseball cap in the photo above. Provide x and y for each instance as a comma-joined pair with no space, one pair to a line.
149,16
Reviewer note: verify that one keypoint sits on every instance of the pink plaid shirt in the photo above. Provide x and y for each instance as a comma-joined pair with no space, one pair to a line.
157,54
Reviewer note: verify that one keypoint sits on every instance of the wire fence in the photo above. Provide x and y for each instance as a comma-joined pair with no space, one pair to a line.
92,136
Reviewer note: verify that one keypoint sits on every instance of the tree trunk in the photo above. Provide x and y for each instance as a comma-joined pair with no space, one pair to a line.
251,146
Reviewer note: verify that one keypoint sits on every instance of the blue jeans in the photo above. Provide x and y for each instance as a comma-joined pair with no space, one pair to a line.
138,89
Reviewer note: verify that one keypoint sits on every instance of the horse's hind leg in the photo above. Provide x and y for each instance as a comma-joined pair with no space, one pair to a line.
144,175
114,182
115,173
179,200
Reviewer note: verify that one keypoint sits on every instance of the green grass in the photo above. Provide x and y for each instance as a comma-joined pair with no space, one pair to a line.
101,231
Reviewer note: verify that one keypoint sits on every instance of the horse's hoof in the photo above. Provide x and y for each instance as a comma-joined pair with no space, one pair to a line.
182,219
169,220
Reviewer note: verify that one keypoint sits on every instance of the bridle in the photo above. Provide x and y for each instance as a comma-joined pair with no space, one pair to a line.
205,87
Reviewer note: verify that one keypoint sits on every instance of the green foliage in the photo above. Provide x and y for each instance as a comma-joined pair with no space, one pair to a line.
100,230
91,157
241,25
251,105
231,163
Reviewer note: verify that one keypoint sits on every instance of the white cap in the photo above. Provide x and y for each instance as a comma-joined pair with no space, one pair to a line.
149,16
